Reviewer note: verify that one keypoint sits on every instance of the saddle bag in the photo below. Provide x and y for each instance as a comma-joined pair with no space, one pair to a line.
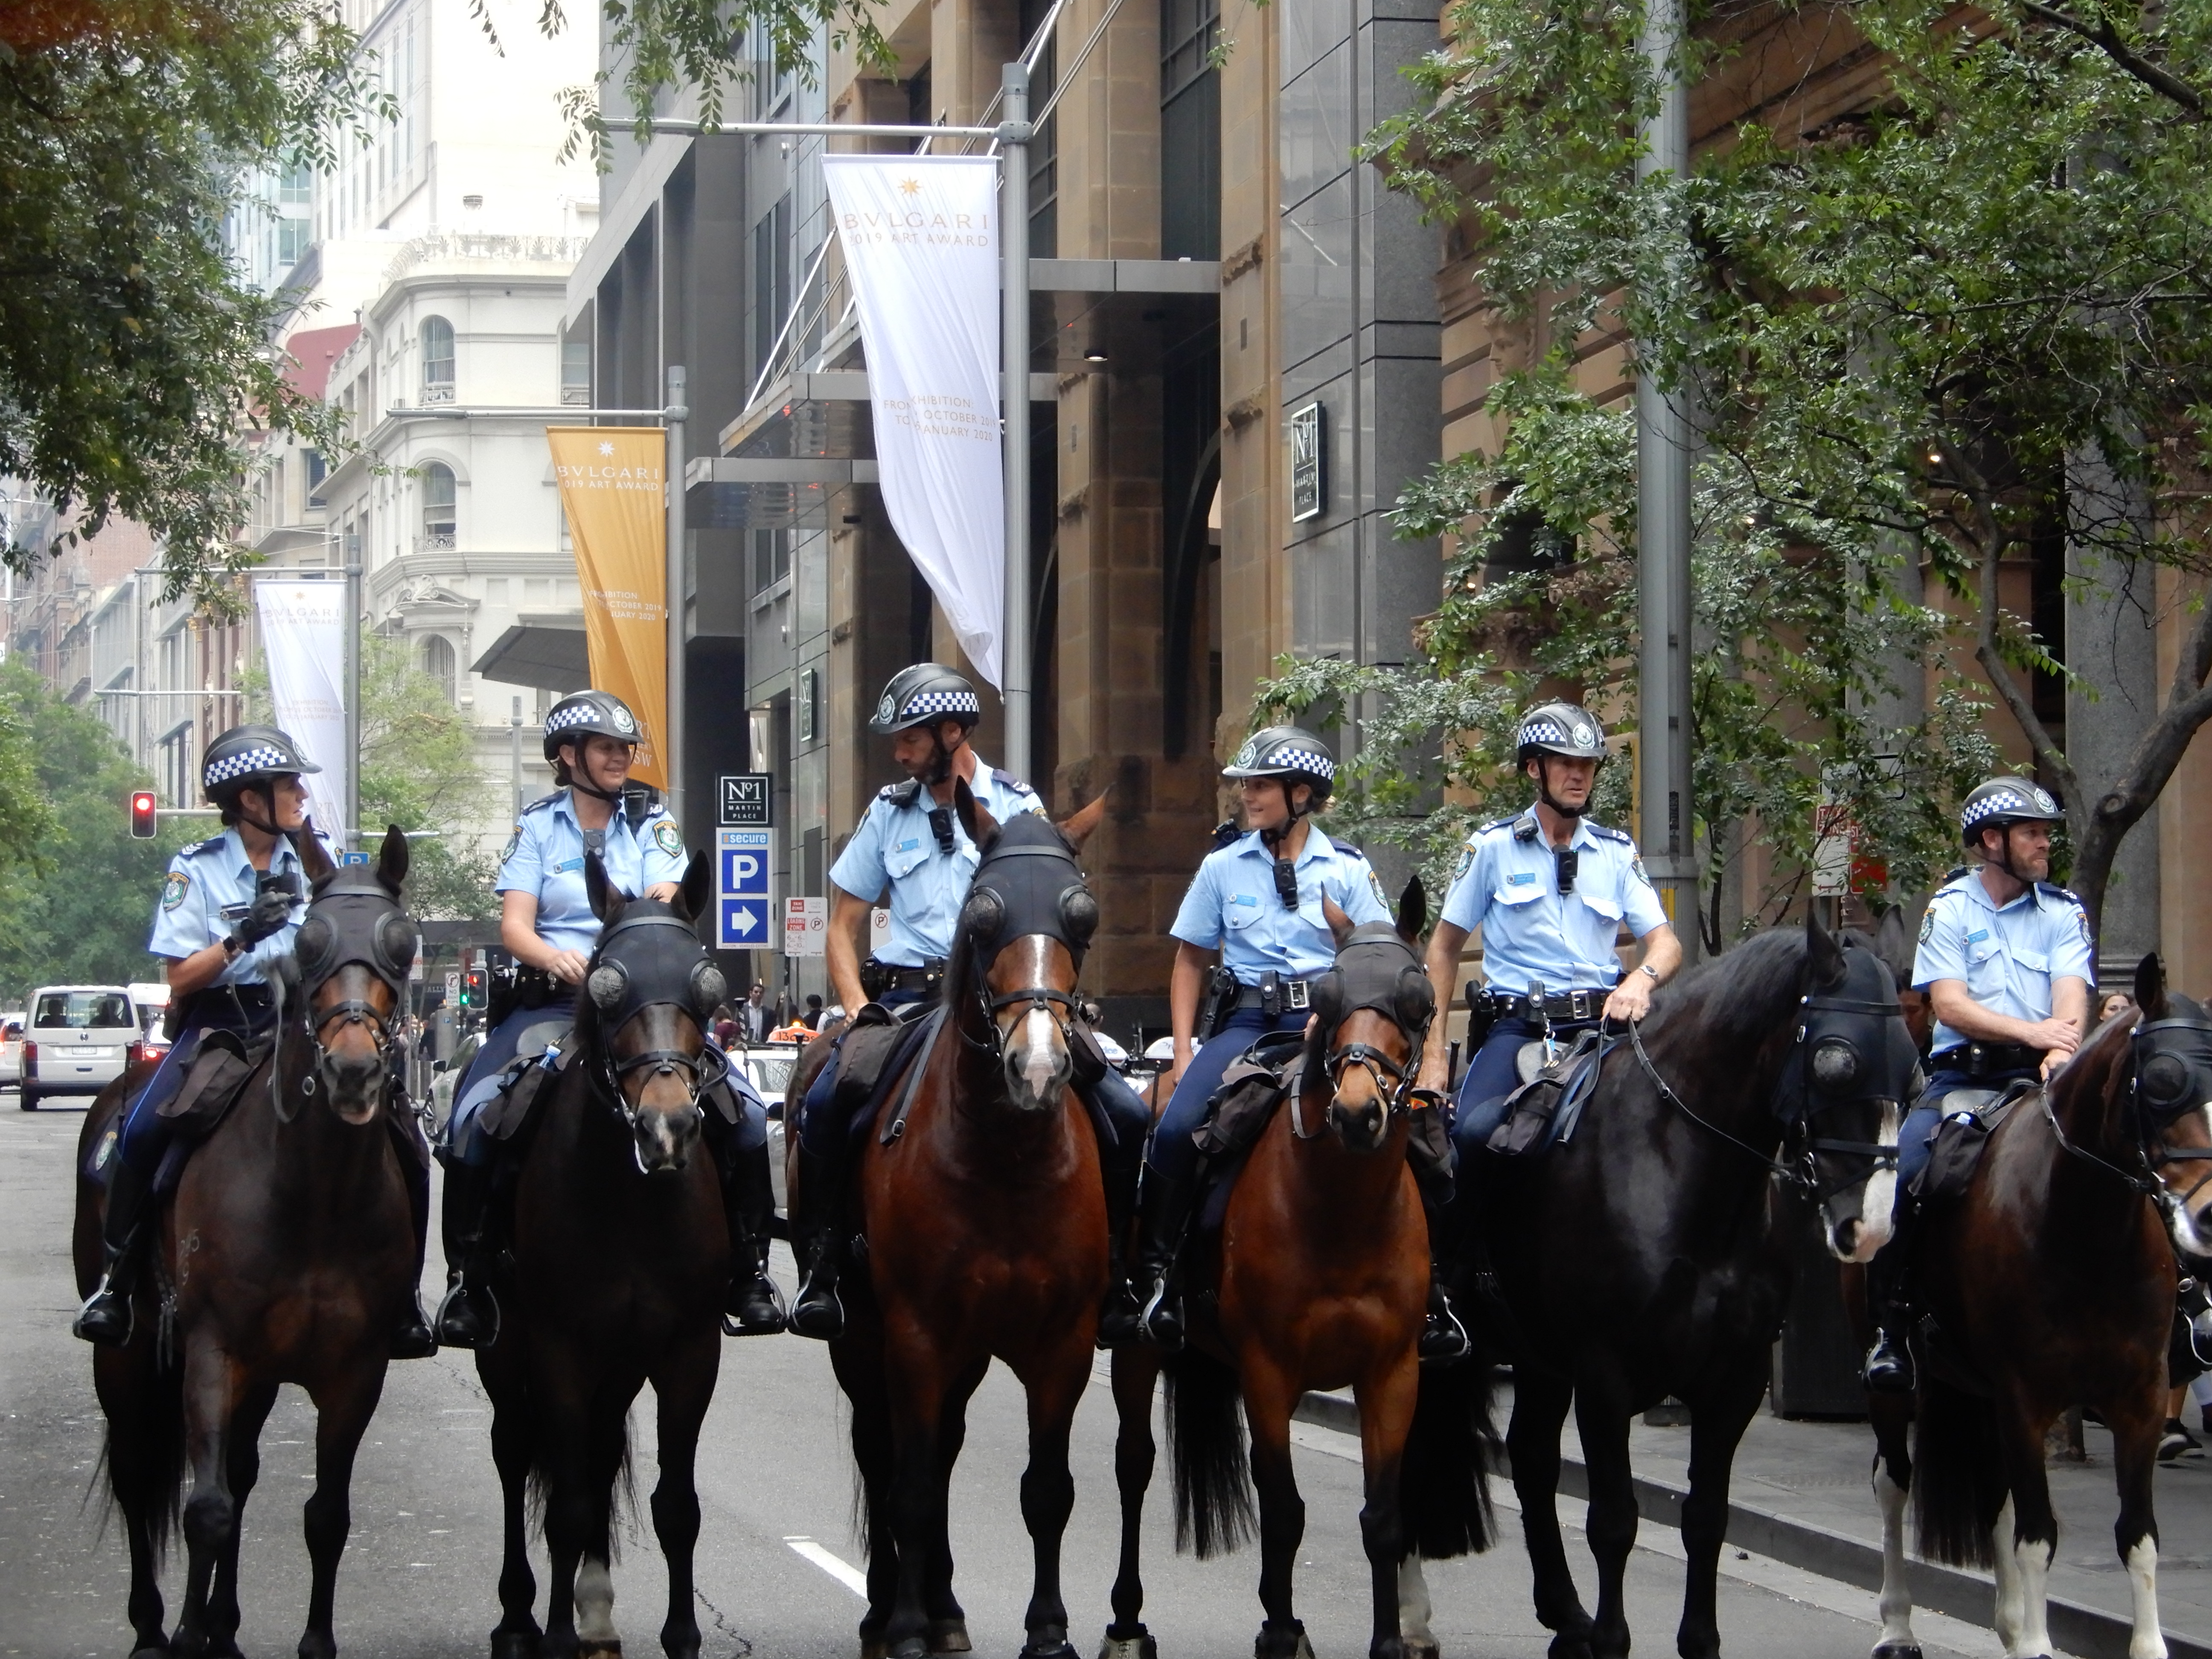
1256,1083
1543,1111
508,1110
216,1078
1970,1116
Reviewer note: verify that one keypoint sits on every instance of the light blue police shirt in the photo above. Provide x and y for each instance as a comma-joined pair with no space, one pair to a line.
2009,959
895,847
1531,935
209,890
545,856
1232,906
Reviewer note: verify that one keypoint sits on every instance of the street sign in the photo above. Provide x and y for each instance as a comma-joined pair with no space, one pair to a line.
452,987
879,930
746,801
741,884
805,926
1309,461
353,858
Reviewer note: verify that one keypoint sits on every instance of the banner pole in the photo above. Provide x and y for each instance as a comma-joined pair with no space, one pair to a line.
350,839
1014,404
671,733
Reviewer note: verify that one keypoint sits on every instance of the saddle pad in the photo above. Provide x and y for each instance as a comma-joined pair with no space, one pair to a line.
1542,1112
508,1110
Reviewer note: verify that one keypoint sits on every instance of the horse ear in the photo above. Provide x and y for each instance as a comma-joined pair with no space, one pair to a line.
1076,828
314,858
692,895
606,898
1890,945
2150,987
392,860
975,817
1413,910
1824,952
1339,923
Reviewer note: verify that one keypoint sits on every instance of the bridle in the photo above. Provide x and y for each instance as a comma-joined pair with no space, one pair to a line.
2189,1078
990,922
621,990
1383,991
352,919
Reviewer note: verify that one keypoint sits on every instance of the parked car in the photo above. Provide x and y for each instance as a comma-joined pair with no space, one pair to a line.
151,999
11,1050
78,1039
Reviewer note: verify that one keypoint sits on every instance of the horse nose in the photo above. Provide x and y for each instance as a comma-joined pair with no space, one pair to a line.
663,1140
1360,1126
353,1082
1038,1068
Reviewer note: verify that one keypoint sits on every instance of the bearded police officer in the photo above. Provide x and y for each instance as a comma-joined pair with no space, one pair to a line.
2007,964
229,909
1550,890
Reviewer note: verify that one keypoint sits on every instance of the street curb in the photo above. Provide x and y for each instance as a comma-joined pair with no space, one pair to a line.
2087,1632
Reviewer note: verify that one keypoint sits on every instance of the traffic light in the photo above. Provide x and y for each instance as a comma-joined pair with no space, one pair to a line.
143,811
472,988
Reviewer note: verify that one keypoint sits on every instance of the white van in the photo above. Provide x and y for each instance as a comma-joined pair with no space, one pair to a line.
77,1039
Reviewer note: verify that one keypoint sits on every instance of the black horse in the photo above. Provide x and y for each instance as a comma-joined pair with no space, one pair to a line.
1649,1254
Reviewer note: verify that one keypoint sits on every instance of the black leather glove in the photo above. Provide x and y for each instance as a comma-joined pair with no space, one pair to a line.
270,910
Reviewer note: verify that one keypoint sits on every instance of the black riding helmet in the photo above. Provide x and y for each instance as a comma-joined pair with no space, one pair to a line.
1291,753
246,757
2000,803
923,694
587,715
1559,728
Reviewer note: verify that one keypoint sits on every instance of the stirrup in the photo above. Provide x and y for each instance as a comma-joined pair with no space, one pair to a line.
1121,1321
97,1322
818,1313
460,1322
1161,1318
1888,1367
412,1338
1444,1340
755,1308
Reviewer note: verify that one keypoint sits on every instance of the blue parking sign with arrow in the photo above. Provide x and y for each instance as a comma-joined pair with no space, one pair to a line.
741,859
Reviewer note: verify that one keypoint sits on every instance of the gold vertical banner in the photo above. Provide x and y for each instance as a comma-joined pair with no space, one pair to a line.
612,484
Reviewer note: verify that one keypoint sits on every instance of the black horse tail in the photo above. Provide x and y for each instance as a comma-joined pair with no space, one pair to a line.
1958,1482
624,1509
1452,1451
144,1463
1213,1505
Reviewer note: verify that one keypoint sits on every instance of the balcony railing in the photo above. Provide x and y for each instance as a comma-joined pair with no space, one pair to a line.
434,542
576,397
437,392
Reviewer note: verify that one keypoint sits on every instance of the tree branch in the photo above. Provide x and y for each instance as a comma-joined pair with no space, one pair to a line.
1989,532
2107,39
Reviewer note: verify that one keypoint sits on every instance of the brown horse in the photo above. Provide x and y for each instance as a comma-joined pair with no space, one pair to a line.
984,1220
1323,1281
2049,1283
621,1256
285,1256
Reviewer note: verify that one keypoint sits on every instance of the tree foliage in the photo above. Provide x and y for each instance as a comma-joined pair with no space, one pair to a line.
1912,339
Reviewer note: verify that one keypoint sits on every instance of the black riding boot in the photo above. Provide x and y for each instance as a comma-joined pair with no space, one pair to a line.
105,1317
1164,1218
468,1317
1443,1338
818,1224
1121,1317
1889,1288
755,1307
411,1337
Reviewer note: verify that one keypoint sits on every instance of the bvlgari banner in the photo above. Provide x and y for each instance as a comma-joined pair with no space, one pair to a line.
303,642
612,481
920,234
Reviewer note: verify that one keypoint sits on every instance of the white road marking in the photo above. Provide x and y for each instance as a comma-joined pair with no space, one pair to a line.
844,1571
1936,1630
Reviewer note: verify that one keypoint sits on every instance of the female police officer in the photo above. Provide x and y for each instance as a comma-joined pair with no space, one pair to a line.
547,923
1257,899
229,907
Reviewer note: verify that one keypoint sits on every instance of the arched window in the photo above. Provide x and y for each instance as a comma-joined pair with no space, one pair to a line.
439,663
438,515
437,360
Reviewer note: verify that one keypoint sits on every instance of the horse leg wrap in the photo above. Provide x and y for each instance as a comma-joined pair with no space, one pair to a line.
1140,1646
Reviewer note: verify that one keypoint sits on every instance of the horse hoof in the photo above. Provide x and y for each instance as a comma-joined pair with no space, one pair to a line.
595,1650
949,1636
1898,1650
1282,1642
1140,1646
1421,1648
514,1645
1569,1645
874,1647
152,1650
1061,1650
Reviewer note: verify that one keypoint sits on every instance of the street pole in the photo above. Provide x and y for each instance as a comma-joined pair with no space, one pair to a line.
350,839
671,739
514,757
1014,404
1662,517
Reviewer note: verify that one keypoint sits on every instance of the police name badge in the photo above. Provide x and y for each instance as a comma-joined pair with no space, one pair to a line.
174,888
668,838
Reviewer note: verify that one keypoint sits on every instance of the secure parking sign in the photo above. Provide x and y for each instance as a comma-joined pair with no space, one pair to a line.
741,859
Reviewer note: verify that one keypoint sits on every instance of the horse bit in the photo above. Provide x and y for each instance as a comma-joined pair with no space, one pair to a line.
322,948
621,992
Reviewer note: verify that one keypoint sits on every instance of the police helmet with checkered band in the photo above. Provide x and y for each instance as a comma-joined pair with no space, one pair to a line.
588,714
2000,803
1289,752
248,757
923,694
1559,728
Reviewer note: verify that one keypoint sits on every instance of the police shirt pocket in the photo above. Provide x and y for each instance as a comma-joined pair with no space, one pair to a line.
904,855
1611,908
2035,962
1985,967
1241,910
1509,892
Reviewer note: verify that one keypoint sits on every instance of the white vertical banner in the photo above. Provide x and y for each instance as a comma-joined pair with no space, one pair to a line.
921,247
303,640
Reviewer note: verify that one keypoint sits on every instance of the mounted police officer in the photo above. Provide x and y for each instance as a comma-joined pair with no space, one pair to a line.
910,844
2007,963
547,923
1256,900
229,907
1550,890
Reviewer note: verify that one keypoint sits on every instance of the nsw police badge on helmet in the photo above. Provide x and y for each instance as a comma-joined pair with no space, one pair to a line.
886,709
623,719
1248,755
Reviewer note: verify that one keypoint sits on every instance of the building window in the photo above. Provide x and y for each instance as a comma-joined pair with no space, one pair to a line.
437,360
1190,131
771,558
439,522
437,660
576,374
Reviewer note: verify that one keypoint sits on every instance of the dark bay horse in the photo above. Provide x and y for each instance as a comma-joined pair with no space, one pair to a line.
1323,1281
286,1256
621,1256
984,1220
2049,1283
1648,1255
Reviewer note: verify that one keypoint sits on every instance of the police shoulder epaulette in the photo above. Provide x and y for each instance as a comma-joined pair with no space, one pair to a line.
902,793
1604,833
543,801
1956,872
1507,822
1226,833
1347,848
207,845
2057,891
1007,780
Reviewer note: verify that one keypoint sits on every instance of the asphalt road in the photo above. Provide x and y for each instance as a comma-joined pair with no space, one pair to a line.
776,1485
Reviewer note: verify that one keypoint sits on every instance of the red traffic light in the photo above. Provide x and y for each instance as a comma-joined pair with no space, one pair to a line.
143,812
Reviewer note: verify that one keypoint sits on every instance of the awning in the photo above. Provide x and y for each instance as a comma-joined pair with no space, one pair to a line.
543,651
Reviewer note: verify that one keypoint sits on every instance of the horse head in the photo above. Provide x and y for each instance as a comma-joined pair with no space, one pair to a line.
1370,1017
2163,1078
1024,927
649,993
1852,1069
352,956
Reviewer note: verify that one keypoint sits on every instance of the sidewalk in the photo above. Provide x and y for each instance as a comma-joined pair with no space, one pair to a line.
1801,1495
